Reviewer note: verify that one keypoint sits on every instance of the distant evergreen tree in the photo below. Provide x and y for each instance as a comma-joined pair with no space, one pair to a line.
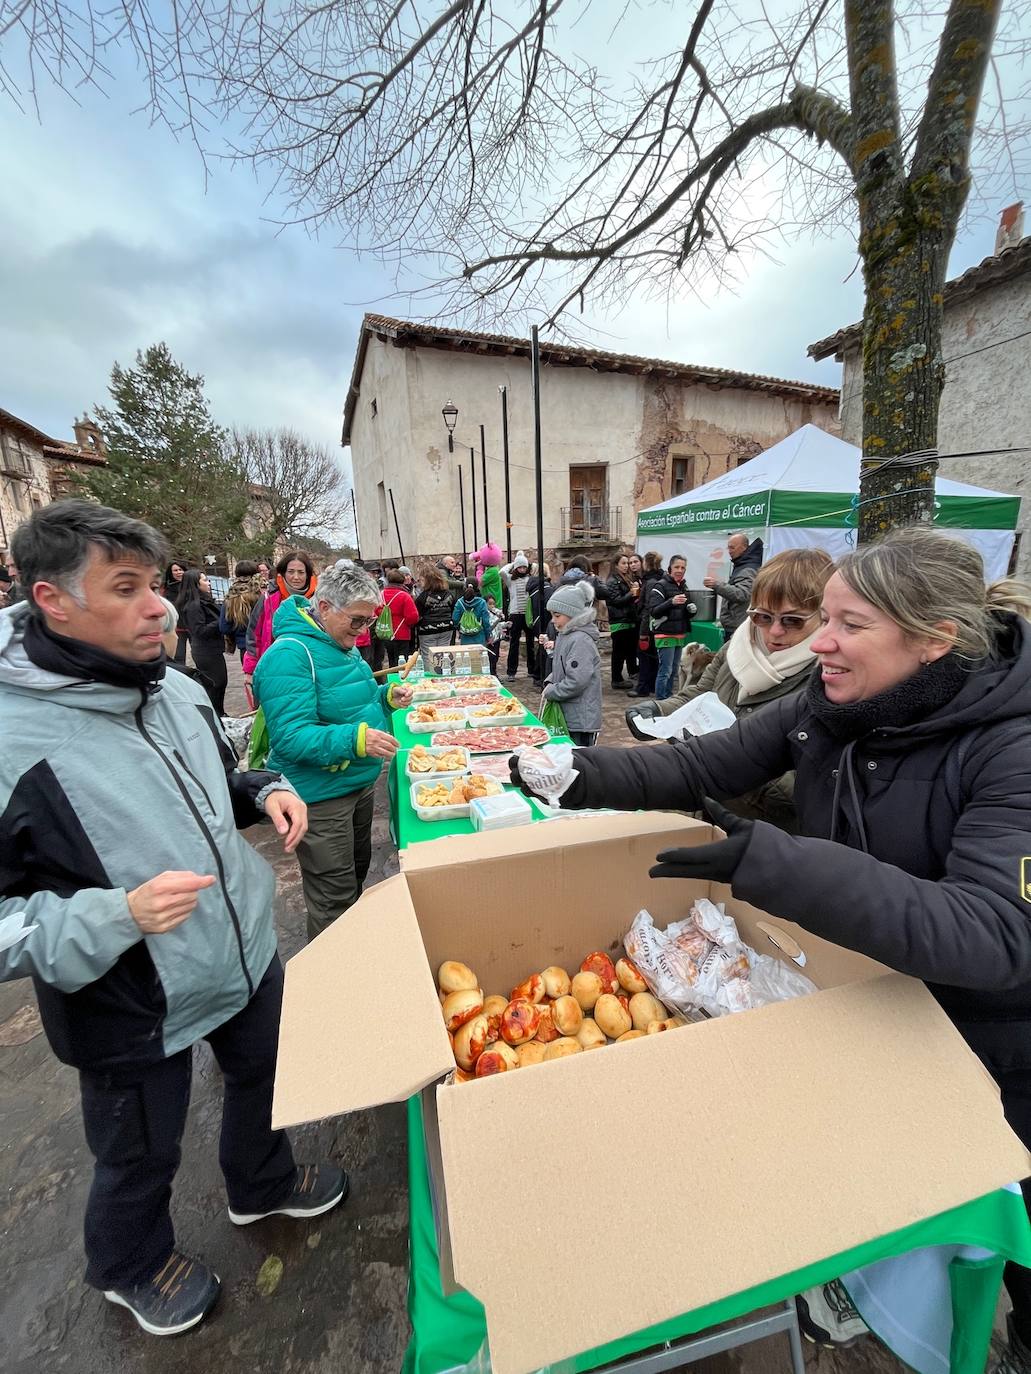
168,462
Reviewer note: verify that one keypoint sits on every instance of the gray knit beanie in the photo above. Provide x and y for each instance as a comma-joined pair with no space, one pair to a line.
572,599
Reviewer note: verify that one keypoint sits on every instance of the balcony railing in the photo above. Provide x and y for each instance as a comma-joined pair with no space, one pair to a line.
588,523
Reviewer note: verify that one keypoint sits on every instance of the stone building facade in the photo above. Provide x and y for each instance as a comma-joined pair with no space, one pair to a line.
984,429
36,469
618,433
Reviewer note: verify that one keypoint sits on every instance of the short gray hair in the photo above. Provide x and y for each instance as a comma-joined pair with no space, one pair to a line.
54,545
340,586
171,619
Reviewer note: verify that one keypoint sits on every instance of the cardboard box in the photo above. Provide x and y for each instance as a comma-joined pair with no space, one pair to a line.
733,1151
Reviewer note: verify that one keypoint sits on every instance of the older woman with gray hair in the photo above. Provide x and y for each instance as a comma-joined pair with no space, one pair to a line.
328,732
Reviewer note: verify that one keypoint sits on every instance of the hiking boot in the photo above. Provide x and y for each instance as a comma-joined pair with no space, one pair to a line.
180,1295
318,1188
1014,1357
827,1317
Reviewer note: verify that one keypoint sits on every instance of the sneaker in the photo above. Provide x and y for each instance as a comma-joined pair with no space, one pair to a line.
827,1317
318,1189
180,1295
1012,1358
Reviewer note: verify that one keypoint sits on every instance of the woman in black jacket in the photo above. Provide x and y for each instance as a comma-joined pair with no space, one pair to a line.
171,586
435,603
647,655
912,759
622,597
199,615
670,611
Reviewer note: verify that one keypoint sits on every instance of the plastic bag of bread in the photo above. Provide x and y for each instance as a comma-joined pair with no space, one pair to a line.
702,968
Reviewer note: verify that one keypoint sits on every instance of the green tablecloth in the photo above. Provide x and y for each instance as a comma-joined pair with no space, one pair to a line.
707,632
406,827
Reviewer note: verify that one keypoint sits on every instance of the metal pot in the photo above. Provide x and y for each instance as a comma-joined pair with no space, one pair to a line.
705,599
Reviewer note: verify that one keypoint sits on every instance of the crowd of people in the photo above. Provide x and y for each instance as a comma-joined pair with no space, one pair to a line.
879,749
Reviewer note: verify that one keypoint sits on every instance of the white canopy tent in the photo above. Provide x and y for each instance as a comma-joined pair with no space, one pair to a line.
803,493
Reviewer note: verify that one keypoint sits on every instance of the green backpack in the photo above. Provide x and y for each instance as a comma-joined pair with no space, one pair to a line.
384,624
470,623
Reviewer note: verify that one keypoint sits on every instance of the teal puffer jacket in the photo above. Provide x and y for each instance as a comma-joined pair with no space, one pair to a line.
318,700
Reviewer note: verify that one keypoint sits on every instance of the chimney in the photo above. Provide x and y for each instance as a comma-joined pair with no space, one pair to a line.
88,436
1011,227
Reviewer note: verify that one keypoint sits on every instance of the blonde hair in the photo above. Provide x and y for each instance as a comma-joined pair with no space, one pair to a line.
1010,594
796,578
919,577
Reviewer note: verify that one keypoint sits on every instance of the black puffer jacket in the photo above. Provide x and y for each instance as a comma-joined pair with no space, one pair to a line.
622,602
648,581
435,610
927,871
676,620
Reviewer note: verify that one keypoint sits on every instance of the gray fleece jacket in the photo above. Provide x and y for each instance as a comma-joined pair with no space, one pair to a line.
575,680
101,789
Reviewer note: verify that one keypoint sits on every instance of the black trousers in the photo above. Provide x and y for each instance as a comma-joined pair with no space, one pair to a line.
212,664
624,654
647,668
520,626
1016,1105
134,1122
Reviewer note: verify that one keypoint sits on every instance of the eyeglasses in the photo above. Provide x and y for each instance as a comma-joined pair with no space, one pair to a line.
790,621
362,622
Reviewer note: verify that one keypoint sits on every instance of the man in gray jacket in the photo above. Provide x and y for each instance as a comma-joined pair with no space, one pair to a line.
143,918
745,561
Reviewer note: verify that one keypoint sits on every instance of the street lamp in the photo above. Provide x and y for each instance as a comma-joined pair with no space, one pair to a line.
450,414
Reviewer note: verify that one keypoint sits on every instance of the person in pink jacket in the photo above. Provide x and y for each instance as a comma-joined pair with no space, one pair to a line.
295,576
404,616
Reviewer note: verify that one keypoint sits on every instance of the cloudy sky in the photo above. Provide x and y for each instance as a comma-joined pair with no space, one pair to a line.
112,239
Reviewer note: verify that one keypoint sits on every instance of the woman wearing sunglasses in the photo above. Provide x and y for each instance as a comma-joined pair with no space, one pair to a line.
328,731
768,656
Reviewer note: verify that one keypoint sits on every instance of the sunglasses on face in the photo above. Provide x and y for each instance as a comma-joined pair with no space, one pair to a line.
362,622
791,621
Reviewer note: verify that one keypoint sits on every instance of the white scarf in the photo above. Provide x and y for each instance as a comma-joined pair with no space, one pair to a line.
756,670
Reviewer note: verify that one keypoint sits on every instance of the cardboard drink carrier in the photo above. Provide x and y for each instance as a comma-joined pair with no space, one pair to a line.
588,1198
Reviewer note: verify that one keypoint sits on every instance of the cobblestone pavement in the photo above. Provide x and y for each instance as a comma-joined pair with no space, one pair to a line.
339,1305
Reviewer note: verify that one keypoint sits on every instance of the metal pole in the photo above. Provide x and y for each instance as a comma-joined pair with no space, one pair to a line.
397,527
461,507
504,450
535,377
483,464
472,488
357,539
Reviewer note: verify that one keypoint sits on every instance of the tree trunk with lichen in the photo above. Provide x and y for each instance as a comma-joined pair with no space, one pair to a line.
903,372
907,225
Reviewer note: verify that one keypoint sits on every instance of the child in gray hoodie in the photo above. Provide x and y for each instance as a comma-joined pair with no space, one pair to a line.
575,679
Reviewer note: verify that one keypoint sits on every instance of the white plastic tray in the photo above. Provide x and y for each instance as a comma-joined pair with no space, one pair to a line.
438,690
435,777
429,727
515,718
440,813
460,689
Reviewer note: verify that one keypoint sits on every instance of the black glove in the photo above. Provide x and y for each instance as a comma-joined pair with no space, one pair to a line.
647,710
718,861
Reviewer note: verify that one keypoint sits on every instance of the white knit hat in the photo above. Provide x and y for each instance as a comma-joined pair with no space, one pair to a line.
571,599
